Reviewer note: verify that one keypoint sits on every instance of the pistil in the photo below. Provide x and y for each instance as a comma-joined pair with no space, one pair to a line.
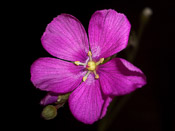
91,66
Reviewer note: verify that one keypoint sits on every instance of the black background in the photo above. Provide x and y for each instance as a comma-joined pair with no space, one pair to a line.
150,108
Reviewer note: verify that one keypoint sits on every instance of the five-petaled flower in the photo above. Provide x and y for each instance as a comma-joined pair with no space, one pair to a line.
78,67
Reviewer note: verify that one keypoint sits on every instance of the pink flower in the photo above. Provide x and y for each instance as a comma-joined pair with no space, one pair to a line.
80,70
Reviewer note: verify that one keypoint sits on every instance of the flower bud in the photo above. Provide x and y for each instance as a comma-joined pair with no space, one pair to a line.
49,112
145,16
147,12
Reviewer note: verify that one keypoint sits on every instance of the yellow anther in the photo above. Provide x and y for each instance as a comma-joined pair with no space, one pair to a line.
77,63
96,76
84,78
91,66
89,53
100,61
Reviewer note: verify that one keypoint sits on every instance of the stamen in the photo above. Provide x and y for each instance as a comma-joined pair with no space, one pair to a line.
100,61
90,55
96,75
85,77
90,66
79,63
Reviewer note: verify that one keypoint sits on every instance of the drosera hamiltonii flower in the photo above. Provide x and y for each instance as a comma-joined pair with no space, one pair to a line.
79,69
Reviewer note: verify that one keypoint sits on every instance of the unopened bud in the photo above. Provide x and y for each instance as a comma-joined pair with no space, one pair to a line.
147,12
49,112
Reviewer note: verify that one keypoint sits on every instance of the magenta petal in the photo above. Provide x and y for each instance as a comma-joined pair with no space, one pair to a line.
49,98
108,32
119,77
66,38
55,75
105,106
86,101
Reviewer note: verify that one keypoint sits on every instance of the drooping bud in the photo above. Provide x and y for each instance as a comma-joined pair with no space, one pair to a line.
49,112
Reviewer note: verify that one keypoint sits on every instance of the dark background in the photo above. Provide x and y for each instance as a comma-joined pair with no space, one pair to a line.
150,108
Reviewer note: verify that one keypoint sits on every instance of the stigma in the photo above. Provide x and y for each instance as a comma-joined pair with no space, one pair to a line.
90,66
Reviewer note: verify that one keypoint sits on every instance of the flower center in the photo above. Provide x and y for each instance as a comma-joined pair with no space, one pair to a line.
90,66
